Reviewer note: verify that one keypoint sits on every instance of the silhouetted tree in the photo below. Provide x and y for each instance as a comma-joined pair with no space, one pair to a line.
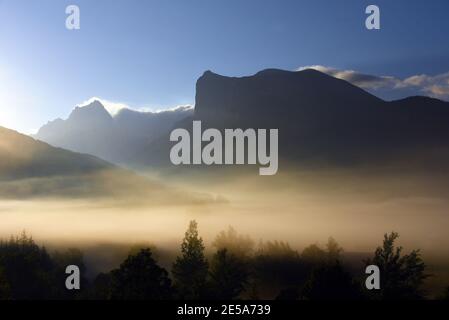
136,247
4,286
228,274
333,250
314,255
140,278
277,266
101,287
191,269
401,276
238,245
28,269
330,282
62,259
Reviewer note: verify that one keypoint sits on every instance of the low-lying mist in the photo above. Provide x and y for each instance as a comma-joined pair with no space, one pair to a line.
301,207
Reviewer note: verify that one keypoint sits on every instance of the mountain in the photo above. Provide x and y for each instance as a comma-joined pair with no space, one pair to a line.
272,97
91,129
23,157
321,119
34,169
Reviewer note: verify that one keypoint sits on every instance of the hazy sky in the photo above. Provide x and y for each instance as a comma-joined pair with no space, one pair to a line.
150,53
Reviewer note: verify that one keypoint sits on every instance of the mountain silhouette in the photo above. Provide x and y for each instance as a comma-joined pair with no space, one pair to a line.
91,129
321,120
23,157
34,169
278,98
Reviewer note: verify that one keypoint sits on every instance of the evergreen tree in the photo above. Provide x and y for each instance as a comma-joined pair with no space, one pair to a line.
330,282
140,278
28,269
191,268
401,276
333,250
62,259
234,243
4,286
276,266
314,255
101,288
228,275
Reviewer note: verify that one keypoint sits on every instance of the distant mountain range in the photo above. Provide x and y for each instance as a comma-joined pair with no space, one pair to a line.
91,129
321,119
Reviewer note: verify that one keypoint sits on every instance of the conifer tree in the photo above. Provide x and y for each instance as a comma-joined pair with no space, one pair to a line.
191,268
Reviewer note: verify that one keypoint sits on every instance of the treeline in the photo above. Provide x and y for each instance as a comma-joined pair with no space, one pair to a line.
237,270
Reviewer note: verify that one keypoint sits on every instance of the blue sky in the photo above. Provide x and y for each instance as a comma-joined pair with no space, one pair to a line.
148,54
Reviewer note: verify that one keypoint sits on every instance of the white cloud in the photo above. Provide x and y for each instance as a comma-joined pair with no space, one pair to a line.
177,108
435,86
114,107
365,81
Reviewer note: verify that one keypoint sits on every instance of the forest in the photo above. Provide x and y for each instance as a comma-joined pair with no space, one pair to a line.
237,270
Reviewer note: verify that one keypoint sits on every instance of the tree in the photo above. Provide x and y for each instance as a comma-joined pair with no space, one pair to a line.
228,274
238,245
28,269
4,286
190,270
140,278
401,276
333,250
101,288
330,282
314,255
61,260
276,266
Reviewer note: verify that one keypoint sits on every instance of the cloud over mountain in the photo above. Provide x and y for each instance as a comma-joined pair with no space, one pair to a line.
113,132
114,107
322,118
436,86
